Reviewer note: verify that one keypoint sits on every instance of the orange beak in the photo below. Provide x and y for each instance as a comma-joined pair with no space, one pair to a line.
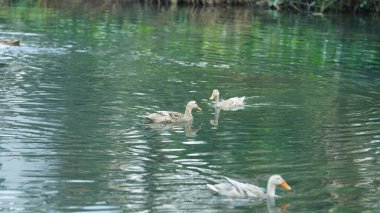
285,185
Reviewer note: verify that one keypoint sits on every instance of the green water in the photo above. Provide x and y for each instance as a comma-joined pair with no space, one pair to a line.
74,94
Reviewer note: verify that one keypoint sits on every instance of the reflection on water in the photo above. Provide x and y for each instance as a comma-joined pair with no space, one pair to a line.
72,95
233,205
179,127
272,208
215,121
217,112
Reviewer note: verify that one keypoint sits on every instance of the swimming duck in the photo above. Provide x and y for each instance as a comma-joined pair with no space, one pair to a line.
237,189
10,42
228,104
170,117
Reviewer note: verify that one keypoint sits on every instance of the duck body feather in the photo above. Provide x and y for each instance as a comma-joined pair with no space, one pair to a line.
171,117
231,103
166,117
233,188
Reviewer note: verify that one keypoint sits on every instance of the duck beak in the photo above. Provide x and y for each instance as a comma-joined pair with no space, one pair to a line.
198,108
285,185
212,96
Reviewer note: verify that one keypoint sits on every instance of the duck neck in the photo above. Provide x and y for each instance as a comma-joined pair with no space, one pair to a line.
188,115
271,189
217,99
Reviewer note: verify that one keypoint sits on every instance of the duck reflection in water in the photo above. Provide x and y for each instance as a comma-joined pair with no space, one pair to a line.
215,121
272,208
187,127
257,205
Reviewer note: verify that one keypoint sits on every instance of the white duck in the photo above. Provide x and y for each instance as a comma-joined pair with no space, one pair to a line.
243,190
228,104
170,117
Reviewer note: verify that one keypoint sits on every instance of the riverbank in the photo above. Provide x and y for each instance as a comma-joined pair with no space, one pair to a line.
297,6
316,7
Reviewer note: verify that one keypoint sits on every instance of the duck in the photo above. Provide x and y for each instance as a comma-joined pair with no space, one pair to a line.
171,117
10,42
228,104
233,188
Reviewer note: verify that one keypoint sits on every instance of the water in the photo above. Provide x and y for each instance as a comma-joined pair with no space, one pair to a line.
73,96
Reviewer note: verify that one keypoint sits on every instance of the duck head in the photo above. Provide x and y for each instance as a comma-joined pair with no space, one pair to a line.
193,105
214,94
278,180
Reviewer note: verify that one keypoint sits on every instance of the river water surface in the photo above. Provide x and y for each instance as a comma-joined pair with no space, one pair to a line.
73,96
